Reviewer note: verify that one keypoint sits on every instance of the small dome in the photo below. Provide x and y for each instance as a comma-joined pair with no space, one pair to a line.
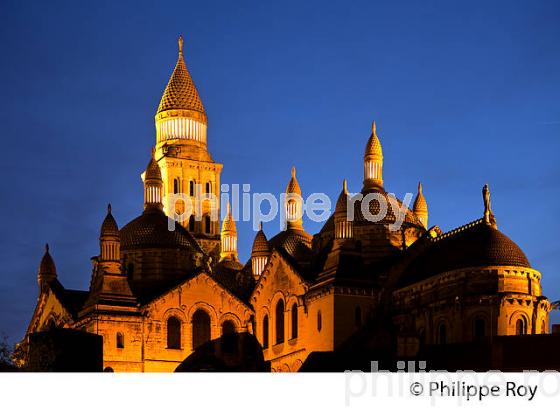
153,172
475,245
293,185
150,230
47,266
373,147
109,226
297,243
420,204
261,246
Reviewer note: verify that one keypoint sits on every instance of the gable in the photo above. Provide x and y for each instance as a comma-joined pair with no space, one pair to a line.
278,276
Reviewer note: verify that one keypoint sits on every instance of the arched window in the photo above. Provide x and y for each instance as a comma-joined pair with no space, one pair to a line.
207,224
228,327
358,316
191,223
442,334
479,328
191,187
200,328
108,369
120,340
265,332
319,321
176,185
294,321
280,321
173,333
520,327
208,188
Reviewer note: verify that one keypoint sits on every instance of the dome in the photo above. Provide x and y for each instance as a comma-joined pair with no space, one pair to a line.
475,245
293,186
420,204
297,243
181,93
373,147
261,246
150,230
47,266
109,226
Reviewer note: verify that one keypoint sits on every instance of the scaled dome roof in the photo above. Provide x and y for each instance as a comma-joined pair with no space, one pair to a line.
150,230
472,246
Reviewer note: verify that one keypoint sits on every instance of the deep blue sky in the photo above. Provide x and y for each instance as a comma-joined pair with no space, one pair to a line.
463,94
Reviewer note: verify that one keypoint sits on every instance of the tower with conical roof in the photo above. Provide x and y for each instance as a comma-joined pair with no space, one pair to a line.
182,154
228,237
343,226
260,252
294,204
373,162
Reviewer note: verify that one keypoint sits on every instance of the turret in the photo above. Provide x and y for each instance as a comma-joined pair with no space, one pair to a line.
373,163
260,253
110,244
153,185
229,237
294,203
344,228
421,206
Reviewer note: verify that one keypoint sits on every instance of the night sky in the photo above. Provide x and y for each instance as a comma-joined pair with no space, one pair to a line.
463,94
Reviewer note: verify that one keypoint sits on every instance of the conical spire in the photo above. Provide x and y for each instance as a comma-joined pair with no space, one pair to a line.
261,247
47,268
109,226
342,202
373,162
373,147
293,186
421,206
181,93
228,225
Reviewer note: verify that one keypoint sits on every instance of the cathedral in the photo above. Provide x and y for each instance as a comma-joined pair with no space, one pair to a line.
156,294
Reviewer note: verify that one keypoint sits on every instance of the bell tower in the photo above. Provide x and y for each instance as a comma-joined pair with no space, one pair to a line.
182,154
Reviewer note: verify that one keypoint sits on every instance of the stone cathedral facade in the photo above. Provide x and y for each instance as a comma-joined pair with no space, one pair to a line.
156,294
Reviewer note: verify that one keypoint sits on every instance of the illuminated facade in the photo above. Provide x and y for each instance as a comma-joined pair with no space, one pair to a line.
156,294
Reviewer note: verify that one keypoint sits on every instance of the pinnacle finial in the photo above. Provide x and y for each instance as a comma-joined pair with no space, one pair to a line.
109,209
293,171
420,187
373,128
260,226
153,152
46,247
344,186
180,41
228,209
